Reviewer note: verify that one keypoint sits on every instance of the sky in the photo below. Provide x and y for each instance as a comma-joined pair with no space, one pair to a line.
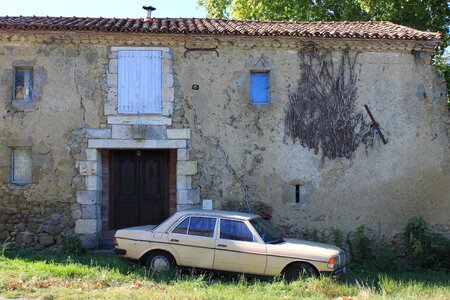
101,8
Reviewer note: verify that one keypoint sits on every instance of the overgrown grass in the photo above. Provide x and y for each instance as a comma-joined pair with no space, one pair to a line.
97,276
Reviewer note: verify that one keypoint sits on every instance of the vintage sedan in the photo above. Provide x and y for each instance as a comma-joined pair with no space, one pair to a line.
227,241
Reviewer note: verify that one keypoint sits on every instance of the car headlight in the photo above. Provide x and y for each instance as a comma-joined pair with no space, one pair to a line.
331,263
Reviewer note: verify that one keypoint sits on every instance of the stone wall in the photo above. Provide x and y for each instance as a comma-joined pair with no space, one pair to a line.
73,117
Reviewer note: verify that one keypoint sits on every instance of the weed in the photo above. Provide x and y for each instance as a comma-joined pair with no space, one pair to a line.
72,245
425,248
338,238
362,246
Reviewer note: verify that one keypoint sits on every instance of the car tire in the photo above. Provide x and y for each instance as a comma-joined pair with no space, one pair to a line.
159,261
299,270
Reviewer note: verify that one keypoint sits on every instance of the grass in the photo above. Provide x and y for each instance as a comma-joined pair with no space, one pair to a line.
97,276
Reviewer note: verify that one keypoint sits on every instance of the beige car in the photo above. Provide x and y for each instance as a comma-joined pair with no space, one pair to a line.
227,241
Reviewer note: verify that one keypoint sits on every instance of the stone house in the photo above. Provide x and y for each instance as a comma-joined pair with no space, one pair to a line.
108,123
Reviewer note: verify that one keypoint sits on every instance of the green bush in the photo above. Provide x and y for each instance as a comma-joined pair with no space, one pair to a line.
72,245
362,246
426,249
375,254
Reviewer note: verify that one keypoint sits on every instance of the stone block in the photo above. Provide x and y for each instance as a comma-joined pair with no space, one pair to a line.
88,167
111,96
111,80
113,54
184,182
93,183
138,131
168,94
182,154
155,132
167,80
92,154
113,66
25,237
86,226
46,239
89,241
179,134
166,65
167,108
191,196
186,167
89,211
98,133
88,197
110,108
122,132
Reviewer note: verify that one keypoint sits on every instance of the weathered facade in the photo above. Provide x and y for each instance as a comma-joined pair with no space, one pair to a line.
94,168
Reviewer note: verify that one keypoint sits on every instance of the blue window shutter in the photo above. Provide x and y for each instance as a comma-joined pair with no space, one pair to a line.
150,82
139,82
127,83
259,87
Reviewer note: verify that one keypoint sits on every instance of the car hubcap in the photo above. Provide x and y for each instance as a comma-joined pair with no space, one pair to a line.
160,263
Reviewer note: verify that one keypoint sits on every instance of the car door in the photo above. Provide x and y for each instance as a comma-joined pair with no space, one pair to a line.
238,249
193,241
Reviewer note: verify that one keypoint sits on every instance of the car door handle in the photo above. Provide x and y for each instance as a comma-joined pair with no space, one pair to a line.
221,245
174,240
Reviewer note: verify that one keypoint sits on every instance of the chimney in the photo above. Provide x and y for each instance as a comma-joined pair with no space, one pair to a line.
149,10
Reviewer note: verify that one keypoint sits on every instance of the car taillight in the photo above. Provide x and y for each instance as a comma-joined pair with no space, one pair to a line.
116,243
330,263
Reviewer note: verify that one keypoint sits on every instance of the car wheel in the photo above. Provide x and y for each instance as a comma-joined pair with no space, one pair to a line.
299,270
159,261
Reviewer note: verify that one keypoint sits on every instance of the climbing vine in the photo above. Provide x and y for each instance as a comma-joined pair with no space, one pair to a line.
320,113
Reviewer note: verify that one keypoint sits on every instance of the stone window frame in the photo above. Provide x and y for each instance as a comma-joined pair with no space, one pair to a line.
254,72
16,68
13,167
167,90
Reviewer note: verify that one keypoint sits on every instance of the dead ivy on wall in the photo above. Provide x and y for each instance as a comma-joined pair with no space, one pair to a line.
320,113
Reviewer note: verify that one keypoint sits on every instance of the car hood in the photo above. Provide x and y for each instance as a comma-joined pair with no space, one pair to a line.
134,232
303,249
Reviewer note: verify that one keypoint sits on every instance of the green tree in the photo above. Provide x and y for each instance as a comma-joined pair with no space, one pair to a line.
429,15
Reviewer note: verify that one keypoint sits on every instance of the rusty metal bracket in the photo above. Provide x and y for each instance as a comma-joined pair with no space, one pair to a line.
375,124
200,49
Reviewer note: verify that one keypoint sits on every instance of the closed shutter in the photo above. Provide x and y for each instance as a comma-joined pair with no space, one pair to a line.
139,82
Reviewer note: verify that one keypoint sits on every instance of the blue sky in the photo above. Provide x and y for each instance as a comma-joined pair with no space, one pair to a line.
103,8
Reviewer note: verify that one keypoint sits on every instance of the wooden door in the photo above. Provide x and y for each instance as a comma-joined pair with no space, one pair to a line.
139,188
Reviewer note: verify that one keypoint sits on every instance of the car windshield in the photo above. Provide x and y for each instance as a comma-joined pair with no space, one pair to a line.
269,234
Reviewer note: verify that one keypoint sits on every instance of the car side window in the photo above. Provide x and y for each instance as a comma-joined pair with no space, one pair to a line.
202,226
235,230
182,227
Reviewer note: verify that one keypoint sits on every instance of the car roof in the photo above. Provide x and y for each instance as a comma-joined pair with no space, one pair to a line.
218,213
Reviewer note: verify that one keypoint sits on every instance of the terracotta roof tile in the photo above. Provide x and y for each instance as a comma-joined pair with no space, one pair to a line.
357,30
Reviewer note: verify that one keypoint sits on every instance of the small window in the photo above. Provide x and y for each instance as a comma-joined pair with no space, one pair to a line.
259,87
182,227
21,165
23,83
202,226
235,230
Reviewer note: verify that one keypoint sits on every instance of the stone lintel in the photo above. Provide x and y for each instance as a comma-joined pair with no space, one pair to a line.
142,120
136,144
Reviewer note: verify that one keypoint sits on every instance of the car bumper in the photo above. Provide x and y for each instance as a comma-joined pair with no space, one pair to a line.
120,251
336,274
